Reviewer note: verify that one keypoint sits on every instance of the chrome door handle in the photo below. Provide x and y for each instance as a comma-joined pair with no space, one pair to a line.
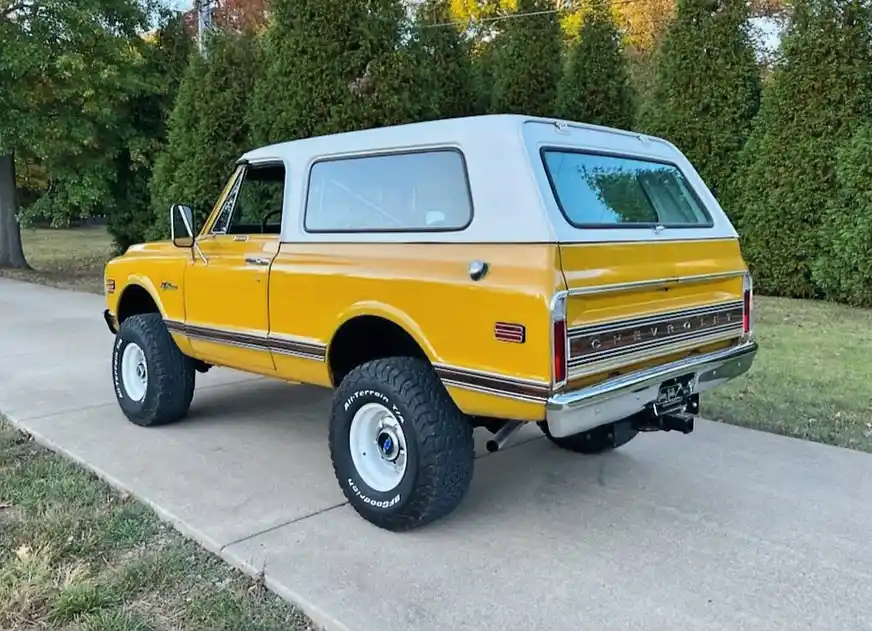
257,260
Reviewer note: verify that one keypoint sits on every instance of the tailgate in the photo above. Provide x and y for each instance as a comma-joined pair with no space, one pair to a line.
635,304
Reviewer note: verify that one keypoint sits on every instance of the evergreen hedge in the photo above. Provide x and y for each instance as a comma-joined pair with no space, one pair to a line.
707,88
334,67
816,98
207,128
447,61
129,220
595,87
529,61
843,268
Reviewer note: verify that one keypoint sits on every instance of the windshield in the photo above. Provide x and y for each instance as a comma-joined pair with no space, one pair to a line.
596,191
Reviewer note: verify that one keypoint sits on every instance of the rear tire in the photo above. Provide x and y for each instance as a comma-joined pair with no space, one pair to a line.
594,441
153,379
402,451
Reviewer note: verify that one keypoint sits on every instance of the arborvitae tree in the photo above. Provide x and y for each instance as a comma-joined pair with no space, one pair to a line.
447,61
529,61
484,57
812,104
333,67
595,87
707,87
166,57
207,130
843,269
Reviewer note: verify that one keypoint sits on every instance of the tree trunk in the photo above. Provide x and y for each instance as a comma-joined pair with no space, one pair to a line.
11,253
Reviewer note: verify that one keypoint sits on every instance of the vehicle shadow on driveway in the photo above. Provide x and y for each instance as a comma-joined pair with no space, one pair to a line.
262,398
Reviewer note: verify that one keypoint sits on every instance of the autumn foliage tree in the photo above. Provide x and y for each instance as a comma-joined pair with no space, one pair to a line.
595,87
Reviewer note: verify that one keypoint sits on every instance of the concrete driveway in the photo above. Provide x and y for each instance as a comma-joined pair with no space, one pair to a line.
723,529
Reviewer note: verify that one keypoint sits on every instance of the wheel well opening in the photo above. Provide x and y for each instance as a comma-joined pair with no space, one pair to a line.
366,338
134,301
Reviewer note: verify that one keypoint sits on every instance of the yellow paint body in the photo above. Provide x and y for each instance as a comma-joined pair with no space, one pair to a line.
308,291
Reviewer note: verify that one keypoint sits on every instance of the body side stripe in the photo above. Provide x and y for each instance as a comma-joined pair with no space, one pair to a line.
475,380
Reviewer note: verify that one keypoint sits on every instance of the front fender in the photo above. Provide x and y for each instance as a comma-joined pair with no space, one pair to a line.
144,282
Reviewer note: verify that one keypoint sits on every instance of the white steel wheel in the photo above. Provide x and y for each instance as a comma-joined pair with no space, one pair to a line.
378,447
134,372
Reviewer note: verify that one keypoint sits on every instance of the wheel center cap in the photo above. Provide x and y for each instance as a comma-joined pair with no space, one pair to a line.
387,444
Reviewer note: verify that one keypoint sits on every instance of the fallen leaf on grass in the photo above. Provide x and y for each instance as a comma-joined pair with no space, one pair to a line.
23,552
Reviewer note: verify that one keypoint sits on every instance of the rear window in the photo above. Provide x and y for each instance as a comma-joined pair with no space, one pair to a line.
603,191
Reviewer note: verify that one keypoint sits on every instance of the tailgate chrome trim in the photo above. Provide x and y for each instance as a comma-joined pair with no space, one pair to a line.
619,397
656,282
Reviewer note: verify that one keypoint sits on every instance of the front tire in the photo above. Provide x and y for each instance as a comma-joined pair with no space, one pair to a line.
153,379
402,451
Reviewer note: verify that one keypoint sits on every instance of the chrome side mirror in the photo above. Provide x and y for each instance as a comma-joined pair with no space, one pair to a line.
182,226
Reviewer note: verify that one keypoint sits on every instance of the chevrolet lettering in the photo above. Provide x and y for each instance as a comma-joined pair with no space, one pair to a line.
441,278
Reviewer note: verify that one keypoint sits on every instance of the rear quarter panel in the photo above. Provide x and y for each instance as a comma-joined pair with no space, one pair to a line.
426,289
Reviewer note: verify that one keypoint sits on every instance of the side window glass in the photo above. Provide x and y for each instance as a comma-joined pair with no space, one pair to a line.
416,191
254,205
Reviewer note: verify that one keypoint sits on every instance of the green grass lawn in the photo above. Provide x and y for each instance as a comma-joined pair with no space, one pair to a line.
812,377
72,258
77,556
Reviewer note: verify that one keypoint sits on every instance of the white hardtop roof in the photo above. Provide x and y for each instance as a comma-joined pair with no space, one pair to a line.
511,196
436,132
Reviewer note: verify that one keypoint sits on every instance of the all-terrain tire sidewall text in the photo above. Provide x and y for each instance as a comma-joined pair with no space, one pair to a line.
169,387
128,405
363,493
438,437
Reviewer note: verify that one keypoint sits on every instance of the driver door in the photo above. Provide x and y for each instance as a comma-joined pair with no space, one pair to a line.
226,288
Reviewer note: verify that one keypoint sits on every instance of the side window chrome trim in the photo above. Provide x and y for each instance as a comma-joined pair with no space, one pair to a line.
244,167
232,196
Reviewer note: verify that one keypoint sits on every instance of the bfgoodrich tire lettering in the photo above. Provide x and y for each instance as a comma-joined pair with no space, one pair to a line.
440,450
170,374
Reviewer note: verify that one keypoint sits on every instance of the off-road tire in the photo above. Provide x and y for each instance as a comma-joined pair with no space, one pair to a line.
439,438
171,374
595,441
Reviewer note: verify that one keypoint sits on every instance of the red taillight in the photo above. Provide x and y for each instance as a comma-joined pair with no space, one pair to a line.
558,340
559,337
747,303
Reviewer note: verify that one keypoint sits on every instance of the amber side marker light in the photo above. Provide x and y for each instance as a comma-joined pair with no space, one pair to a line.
510,332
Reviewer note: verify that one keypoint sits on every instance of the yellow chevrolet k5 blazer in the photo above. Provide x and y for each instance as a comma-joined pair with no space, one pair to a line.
487,271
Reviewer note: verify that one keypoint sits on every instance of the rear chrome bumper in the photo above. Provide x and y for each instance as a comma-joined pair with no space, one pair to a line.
623,396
